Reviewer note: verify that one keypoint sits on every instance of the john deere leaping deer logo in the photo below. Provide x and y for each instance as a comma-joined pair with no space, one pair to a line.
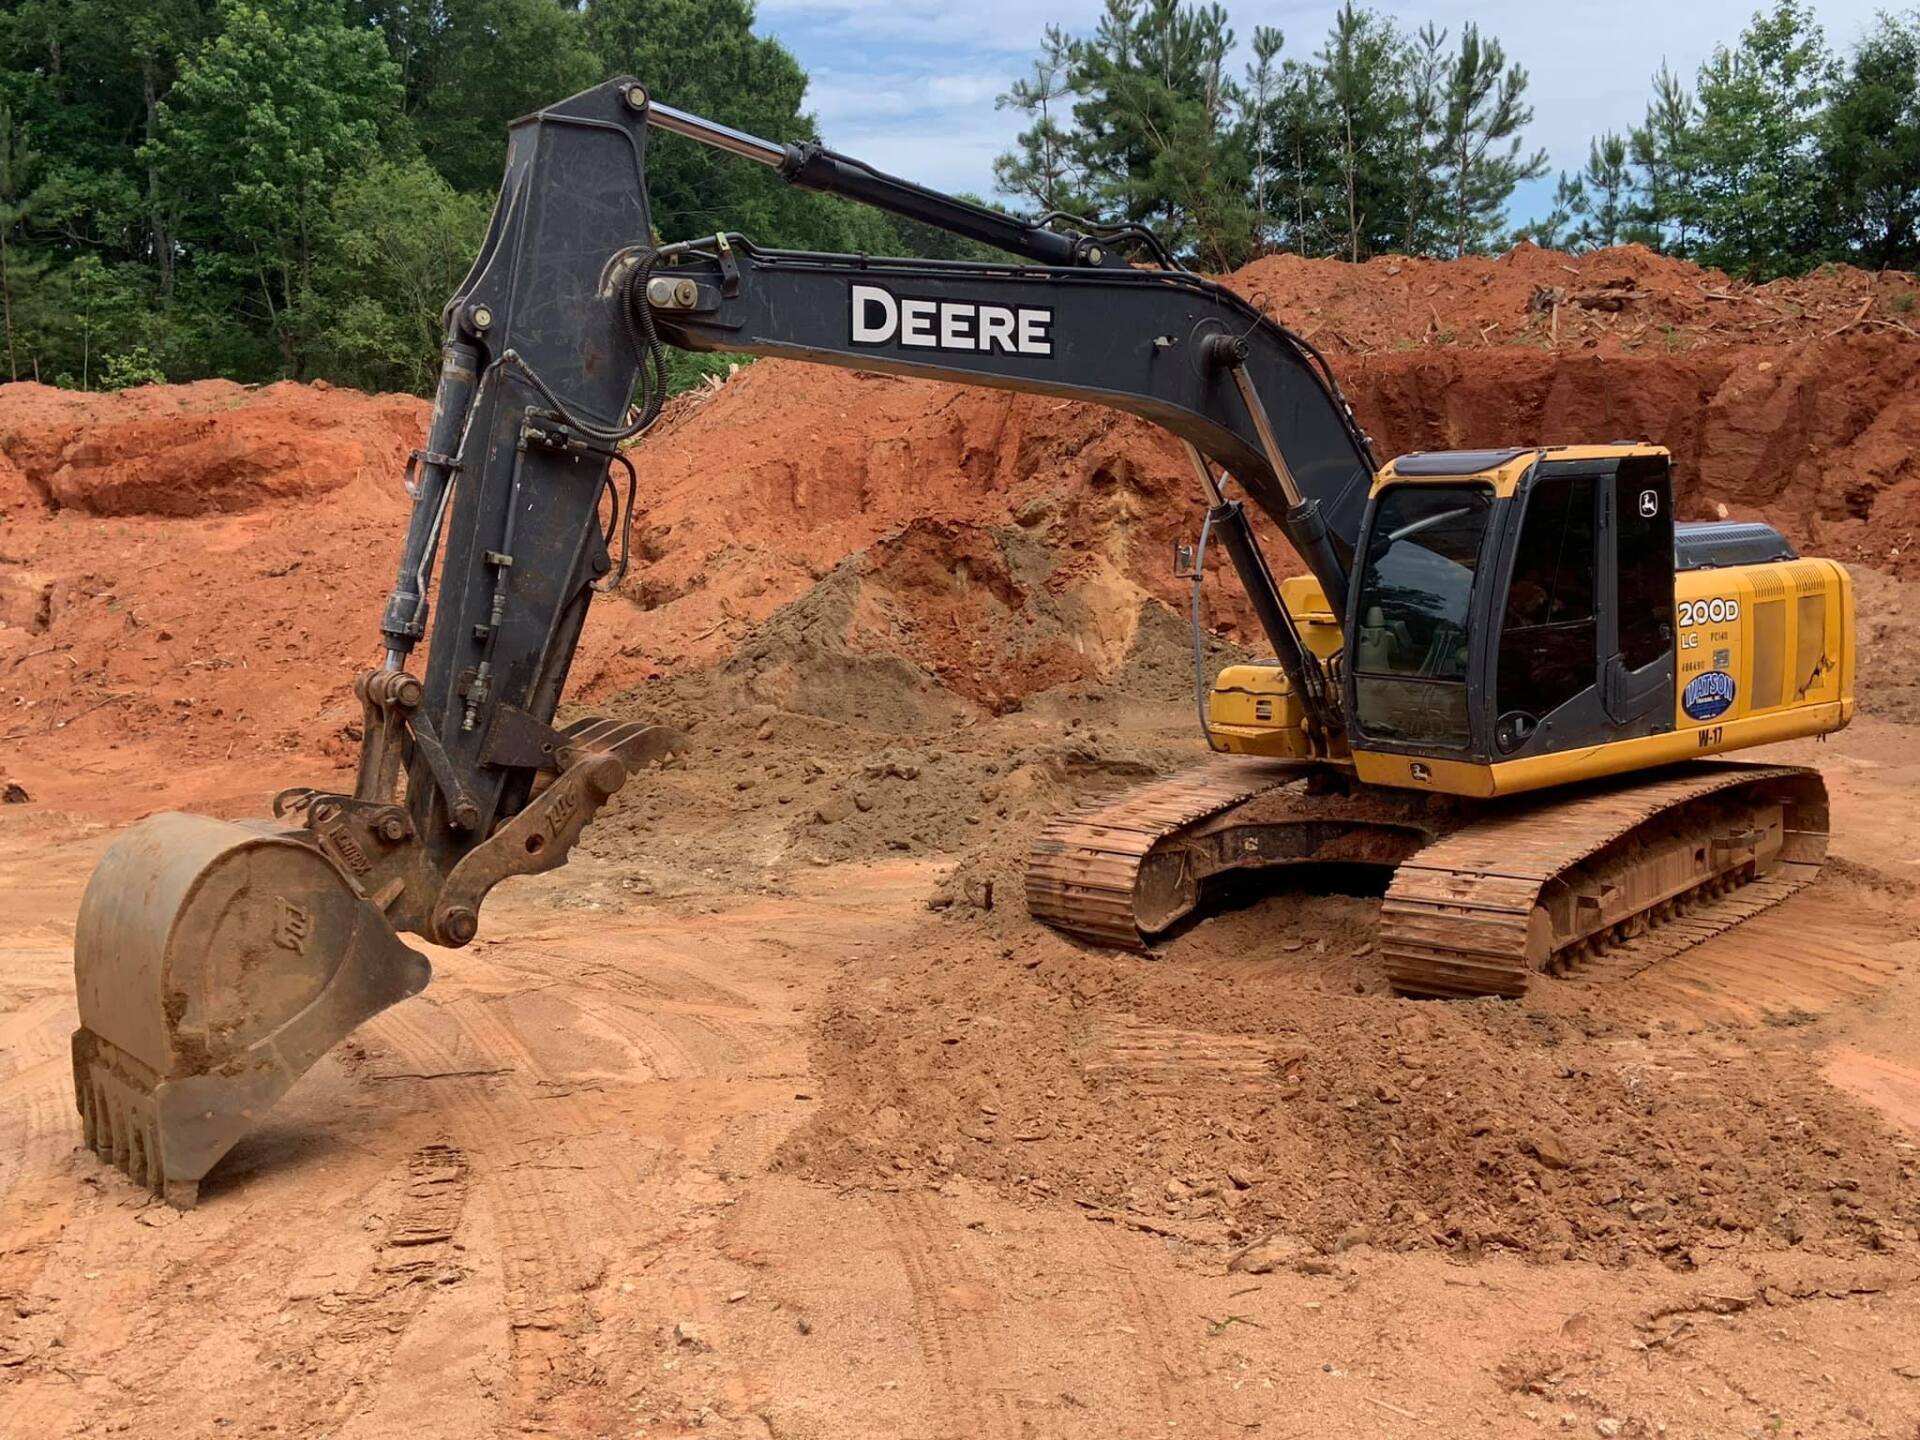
293,927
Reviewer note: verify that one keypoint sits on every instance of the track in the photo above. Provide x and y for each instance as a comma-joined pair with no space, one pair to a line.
1541,885
1483,895
1126,868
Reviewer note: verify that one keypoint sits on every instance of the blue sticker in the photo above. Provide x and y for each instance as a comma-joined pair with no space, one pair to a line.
1708,696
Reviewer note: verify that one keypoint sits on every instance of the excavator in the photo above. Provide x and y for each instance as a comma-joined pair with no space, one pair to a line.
1503,676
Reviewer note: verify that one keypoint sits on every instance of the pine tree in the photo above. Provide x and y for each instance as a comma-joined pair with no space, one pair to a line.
1484,115
1666,210
1425,140
1259,102
1561,227
1154,127
1042,170
1362,64
1609,182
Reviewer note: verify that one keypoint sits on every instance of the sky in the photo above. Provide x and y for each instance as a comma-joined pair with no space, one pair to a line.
909,85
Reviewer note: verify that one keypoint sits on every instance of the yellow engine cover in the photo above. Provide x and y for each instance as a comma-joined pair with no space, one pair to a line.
1252,710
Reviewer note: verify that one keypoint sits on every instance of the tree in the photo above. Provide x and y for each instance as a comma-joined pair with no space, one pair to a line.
1609,181
1155,126
702,55
1666,209
1561,227
1042,170
266,118
1425,139
1870,151
19,198
396,243
468,67
1756,151
1259,100
1484,114
1307,178
1362,65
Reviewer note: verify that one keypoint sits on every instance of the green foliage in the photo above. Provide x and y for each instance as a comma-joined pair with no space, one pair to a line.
396,243
1044,171
1559,228
1870,150
137,366
1755,151
468,67
265,188
1363,65
689,368
1608,181
1778,159
264,122
1380,141
1154,126
702,56
1481,142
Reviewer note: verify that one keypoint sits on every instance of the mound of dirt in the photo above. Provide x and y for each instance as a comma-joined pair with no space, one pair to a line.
1615,301
211,447
1237,1085
191,576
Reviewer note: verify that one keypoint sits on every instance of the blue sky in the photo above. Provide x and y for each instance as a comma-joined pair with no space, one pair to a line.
909,85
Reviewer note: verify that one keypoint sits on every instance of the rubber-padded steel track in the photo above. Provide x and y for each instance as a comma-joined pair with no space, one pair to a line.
1537,885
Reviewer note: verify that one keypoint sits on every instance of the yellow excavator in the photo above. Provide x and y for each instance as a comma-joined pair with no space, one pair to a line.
1502,676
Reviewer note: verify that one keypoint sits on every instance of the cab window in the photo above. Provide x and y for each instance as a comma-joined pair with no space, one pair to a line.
1410,646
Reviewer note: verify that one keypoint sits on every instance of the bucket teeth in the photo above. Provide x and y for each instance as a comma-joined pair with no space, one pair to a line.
118,1123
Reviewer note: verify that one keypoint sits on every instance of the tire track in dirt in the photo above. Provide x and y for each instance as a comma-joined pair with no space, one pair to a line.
415,1258
1807,956
545,1275
1171,1402
959,1347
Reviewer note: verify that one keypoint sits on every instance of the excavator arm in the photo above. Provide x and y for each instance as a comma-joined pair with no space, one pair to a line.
215,962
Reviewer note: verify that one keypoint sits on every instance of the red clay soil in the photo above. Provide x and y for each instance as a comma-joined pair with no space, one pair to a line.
199,567
1616,301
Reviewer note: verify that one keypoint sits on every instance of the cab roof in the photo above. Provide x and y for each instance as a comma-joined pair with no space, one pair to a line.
1502,468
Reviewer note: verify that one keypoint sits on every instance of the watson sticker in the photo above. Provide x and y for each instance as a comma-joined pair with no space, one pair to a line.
1708,695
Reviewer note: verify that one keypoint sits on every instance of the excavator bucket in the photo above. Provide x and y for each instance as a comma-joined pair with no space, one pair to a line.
215,963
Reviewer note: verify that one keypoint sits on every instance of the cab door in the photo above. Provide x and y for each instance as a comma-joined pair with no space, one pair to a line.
1546,661
1584,653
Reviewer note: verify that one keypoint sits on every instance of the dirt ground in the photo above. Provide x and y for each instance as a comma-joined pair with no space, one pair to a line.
772,1114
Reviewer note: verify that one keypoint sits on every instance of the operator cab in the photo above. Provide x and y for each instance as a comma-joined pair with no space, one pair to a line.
1512,603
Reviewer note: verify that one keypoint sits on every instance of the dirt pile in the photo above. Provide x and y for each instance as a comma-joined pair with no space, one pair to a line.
208,448
190,574
1616,301
1237,1083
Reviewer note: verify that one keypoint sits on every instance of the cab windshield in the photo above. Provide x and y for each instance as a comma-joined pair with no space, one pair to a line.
1410,649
